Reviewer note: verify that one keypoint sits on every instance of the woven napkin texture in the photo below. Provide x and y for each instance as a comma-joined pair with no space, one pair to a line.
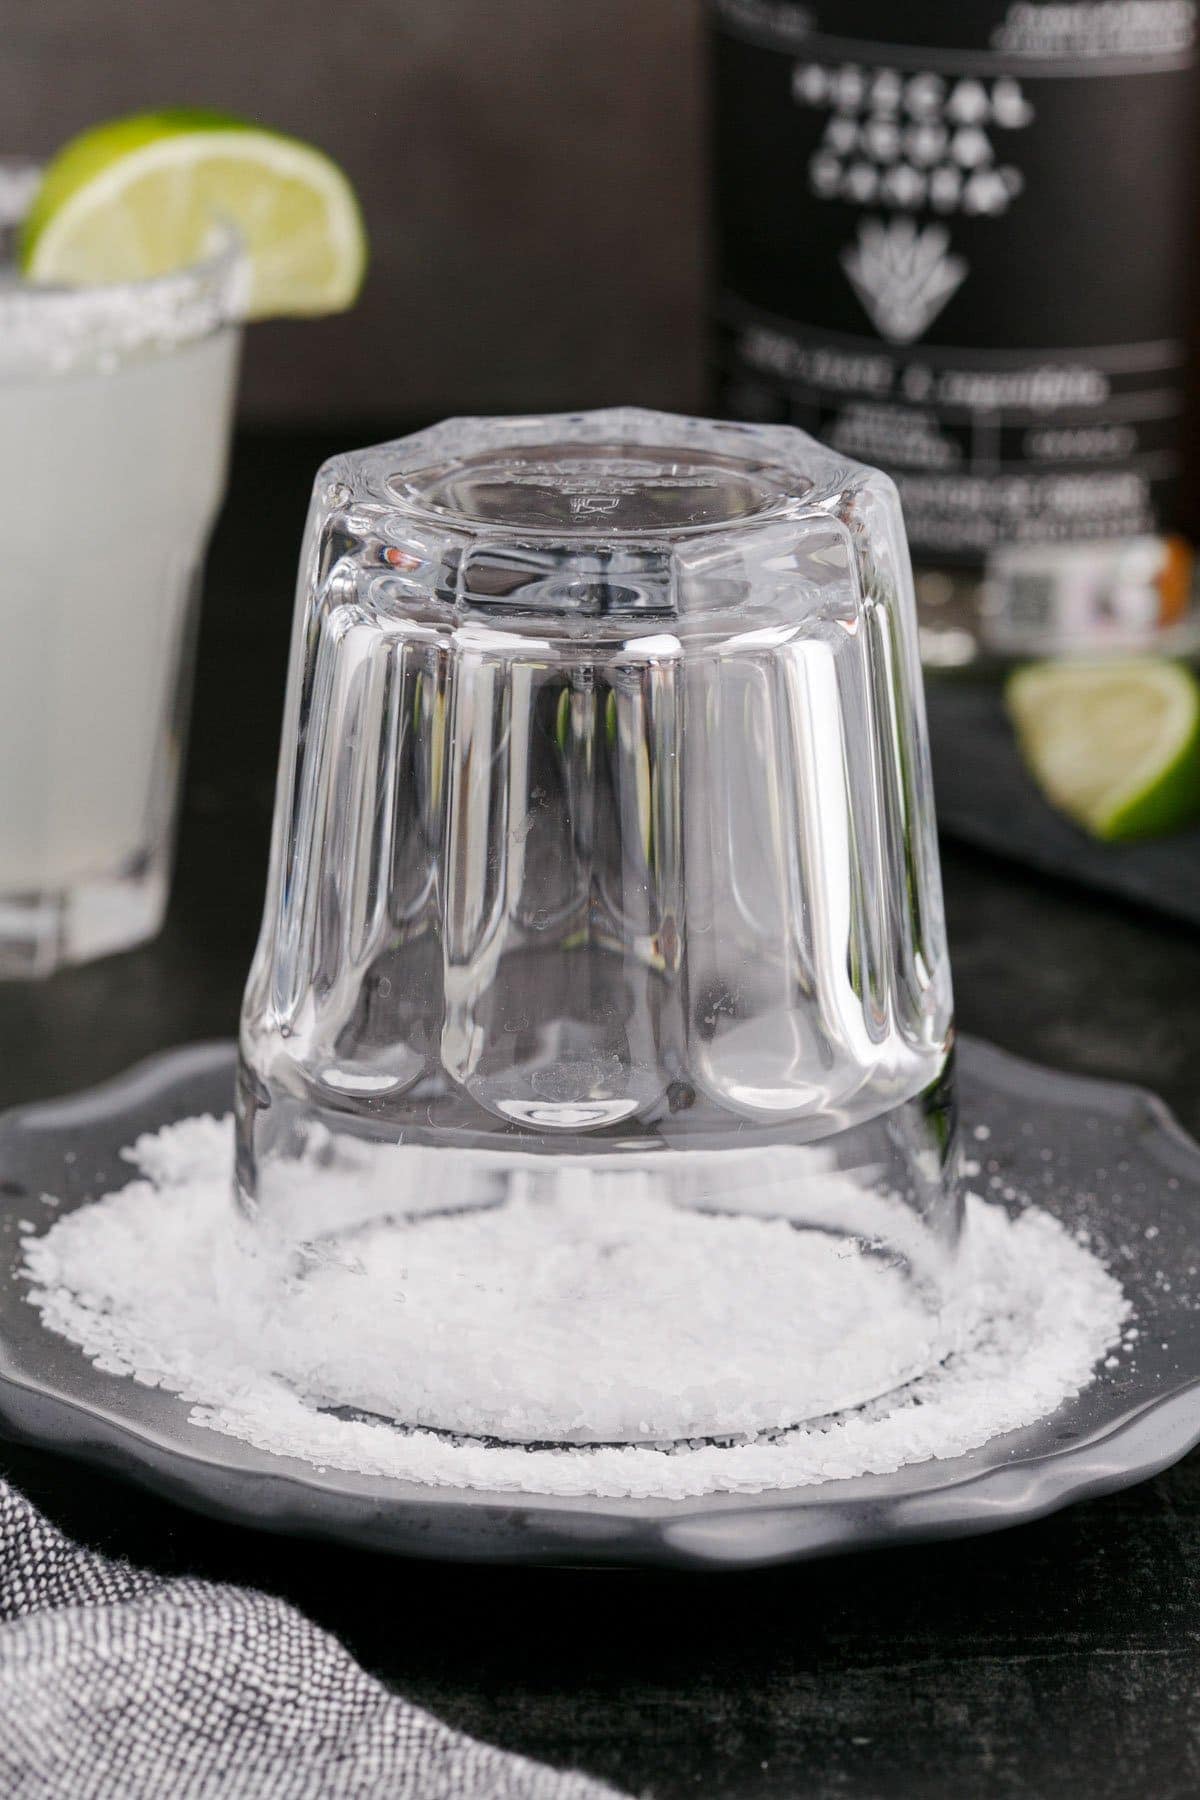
117,1683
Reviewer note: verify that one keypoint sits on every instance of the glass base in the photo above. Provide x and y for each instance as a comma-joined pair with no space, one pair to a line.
42,932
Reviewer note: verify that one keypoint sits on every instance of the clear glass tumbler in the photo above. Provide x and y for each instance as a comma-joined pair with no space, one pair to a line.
595,1075
115,412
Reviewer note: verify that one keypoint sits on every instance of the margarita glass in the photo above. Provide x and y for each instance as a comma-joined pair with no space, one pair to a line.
115,410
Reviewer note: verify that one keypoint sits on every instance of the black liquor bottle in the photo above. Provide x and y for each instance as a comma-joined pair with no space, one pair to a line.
955,240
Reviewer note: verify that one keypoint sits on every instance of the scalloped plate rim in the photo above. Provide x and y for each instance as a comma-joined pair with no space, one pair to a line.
718,1530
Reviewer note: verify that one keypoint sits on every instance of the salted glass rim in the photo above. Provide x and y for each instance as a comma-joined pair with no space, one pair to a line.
53,330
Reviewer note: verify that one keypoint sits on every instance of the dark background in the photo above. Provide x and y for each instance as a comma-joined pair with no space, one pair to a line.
530,171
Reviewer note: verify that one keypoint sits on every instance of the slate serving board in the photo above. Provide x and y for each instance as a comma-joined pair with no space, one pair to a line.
986,797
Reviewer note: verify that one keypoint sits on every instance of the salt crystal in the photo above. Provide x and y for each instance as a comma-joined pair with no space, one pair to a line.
140,1281
566,1320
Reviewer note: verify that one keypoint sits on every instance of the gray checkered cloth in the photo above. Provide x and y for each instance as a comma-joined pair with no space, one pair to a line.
116,1683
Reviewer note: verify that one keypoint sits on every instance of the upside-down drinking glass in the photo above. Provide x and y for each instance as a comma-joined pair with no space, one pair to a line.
603,936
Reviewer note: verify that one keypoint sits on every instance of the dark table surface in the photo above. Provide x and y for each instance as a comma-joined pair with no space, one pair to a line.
1063,1657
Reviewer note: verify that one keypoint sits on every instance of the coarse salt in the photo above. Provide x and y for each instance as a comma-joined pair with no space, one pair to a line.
692,1326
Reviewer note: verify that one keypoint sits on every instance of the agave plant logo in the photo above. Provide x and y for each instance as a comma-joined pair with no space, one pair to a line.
903,274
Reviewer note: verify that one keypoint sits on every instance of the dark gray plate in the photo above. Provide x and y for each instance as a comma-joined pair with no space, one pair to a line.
1092,1152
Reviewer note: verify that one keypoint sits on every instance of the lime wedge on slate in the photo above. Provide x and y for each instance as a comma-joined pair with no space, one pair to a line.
140,197
1115,745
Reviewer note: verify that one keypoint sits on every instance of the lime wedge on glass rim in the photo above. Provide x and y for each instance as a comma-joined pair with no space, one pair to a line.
1115,745
141,197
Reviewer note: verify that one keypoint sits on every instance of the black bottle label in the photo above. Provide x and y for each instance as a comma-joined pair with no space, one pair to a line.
953,240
